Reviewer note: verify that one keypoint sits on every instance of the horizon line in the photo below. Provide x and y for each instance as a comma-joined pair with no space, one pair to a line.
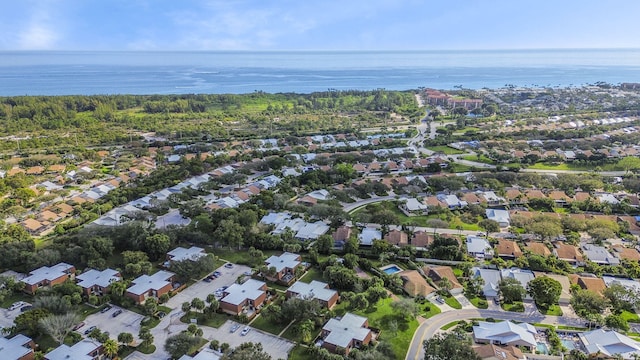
316,50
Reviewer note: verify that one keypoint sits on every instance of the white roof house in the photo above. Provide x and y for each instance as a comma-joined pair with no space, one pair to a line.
15,348
599,255
142,284
236,294
478,247
491,280
284,261
523,276
608,198
609,343
451,201
83,350
627,283
311,231
204,354
321,194
500,216
368,235
342,331
315,290
275,218
505,333
491,197
47,273
412,204
91,278
180,253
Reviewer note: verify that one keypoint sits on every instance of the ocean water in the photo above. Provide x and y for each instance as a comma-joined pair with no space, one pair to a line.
68,73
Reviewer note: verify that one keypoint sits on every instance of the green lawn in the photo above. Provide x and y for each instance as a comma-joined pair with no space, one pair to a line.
215,322
482,159
147,349
262,323
433,310
380,315
457,272
445,150
312,274
451,324
630,317
300,353
515,307
453,302
479,302
15,297
553,310
570,166
292,335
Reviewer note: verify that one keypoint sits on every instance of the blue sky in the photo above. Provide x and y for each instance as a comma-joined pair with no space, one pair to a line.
316,25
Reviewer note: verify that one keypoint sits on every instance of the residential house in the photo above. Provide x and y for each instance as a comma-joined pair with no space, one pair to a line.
568,253
565,295
471,198
439,273
204,354
538,248
18,347
397,237
491,198
312,231
421,239
315,290
413,207
85,349
625,253
94,282
499,216
523,277
560,198
493,352
146,286
491,280
244,298
629,284
414,284
285,267
341,235
608,344
505,333
508,249
591,283
534,194
451,201
368,235
514,196
48,276
479,247
33,226
599,255
345,333
181,254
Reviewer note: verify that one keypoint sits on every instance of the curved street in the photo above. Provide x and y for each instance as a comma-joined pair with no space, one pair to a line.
431,326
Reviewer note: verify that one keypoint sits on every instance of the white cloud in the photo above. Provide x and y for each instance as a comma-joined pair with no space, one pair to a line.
40,31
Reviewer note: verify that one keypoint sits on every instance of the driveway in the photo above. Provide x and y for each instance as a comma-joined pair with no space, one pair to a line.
276,346
128,321
466,304
201,288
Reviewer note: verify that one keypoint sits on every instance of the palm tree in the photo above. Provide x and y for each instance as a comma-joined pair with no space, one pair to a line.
110,348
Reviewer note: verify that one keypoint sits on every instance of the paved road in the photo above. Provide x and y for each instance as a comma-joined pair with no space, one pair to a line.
429,328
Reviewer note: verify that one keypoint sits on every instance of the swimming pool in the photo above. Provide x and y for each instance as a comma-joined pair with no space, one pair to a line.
569,344
542,348
391,269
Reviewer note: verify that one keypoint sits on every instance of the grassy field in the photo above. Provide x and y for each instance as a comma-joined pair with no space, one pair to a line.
451,324
570,166
380,315
630,317
312,274
453,302
215,322
482,159
515,307
271,327
480,303
433,310
445,150
553,310
300,353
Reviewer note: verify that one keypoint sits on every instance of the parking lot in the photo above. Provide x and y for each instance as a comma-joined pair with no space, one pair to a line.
277,347
128,321
6,320
201,288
